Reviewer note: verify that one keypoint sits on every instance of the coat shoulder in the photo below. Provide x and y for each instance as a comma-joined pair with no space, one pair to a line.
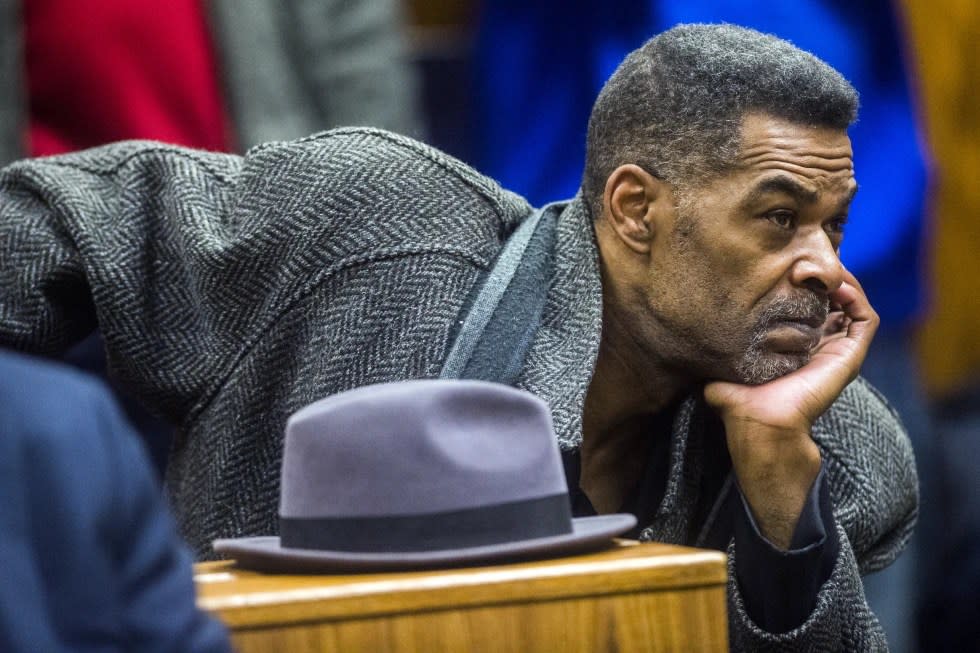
391,190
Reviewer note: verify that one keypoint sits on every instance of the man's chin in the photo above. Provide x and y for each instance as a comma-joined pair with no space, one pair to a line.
762,368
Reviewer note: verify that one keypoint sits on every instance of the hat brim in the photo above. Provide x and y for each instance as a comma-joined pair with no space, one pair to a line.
266,553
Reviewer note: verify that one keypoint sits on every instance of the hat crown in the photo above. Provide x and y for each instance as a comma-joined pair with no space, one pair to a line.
418,447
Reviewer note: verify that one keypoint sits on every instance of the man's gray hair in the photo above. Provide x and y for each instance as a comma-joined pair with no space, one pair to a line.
675,105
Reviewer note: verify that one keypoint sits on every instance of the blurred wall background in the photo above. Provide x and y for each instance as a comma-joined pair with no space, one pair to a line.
945,40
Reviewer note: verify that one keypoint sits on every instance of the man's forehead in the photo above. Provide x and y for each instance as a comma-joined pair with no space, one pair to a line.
763,138
806,161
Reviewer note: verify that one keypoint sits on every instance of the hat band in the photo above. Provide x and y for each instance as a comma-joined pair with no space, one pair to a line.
486,525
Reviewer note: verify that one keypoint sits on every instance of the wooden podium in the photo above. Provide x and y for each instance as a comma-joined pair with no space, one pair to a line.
631,597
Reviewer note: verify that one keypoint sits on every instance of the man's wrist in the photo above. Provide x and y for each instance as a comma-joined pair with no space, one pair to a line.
779,587
775,471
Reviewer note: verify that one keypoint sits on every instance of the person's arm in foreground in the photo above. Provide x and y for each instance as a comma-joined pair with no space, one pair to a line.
90,557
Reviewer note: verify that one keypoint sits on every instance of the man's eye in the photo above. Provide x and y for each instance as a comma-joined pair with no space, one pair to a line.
837,225
782,219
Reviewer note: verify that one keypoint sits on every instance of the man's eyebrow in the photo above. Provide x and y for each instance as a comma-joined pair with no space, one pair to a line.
781,184
789,186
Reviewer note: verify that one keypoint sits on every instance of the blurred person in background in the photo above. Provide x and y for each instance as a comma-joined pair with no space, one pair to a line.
946,36
221,75
537,85
89,556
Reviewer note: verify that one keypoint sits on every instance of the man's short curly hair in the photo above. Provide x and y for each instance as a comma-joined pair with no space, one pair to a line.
675,105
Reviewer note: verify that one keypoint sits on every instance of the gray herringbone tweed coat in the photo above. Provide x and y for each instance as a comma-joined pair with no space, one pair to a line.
233,291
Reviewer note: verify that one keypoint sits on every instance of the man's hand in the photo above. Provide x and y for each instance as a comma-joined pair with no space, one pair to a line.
768,426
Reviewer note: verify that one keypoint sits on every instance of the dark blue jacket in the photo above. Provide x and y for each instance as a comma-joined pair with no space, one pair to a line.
89,558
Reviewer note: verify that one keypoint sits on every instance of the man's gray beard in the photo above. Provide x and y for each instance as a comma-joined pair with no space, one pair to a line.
757,366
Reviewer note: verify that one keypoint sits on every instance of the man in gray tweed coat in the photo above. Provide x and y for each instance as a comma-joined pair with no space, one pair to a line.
686,316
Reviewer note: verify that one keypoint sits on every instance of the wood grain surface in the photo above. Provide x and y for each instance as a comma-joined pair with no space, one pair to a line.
649,597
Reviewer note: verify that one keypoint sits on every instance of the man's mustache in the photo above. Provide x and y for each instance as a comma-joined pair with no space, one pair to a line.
809,308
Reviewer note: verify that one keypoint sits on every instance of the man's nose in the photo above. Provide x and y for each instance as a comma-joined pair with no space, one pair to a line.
818,267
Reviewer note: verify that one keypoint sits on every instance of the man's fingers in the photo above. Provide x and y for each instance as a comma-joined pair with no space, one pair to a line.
836,321
719,393
859,321
853,302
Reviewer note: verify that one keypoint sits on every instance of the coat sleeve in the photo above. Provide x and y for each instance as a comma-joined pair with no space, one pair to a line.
840,621
874,490
131,237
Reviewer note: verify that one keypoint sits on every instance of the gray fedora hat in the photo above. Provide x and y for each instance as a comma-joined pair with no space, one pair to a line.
421,474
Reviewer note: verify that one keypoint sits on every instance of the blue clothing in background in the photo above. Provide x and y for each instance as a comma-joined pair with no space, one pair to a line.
539,68
89,557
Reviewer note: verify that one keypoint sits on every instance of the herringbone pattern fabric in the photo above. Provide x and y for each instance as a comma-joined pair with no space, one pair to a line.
233,291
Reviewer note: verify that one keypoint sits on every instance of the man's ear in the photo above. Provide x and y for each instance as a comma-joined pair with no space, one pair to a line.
632,201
